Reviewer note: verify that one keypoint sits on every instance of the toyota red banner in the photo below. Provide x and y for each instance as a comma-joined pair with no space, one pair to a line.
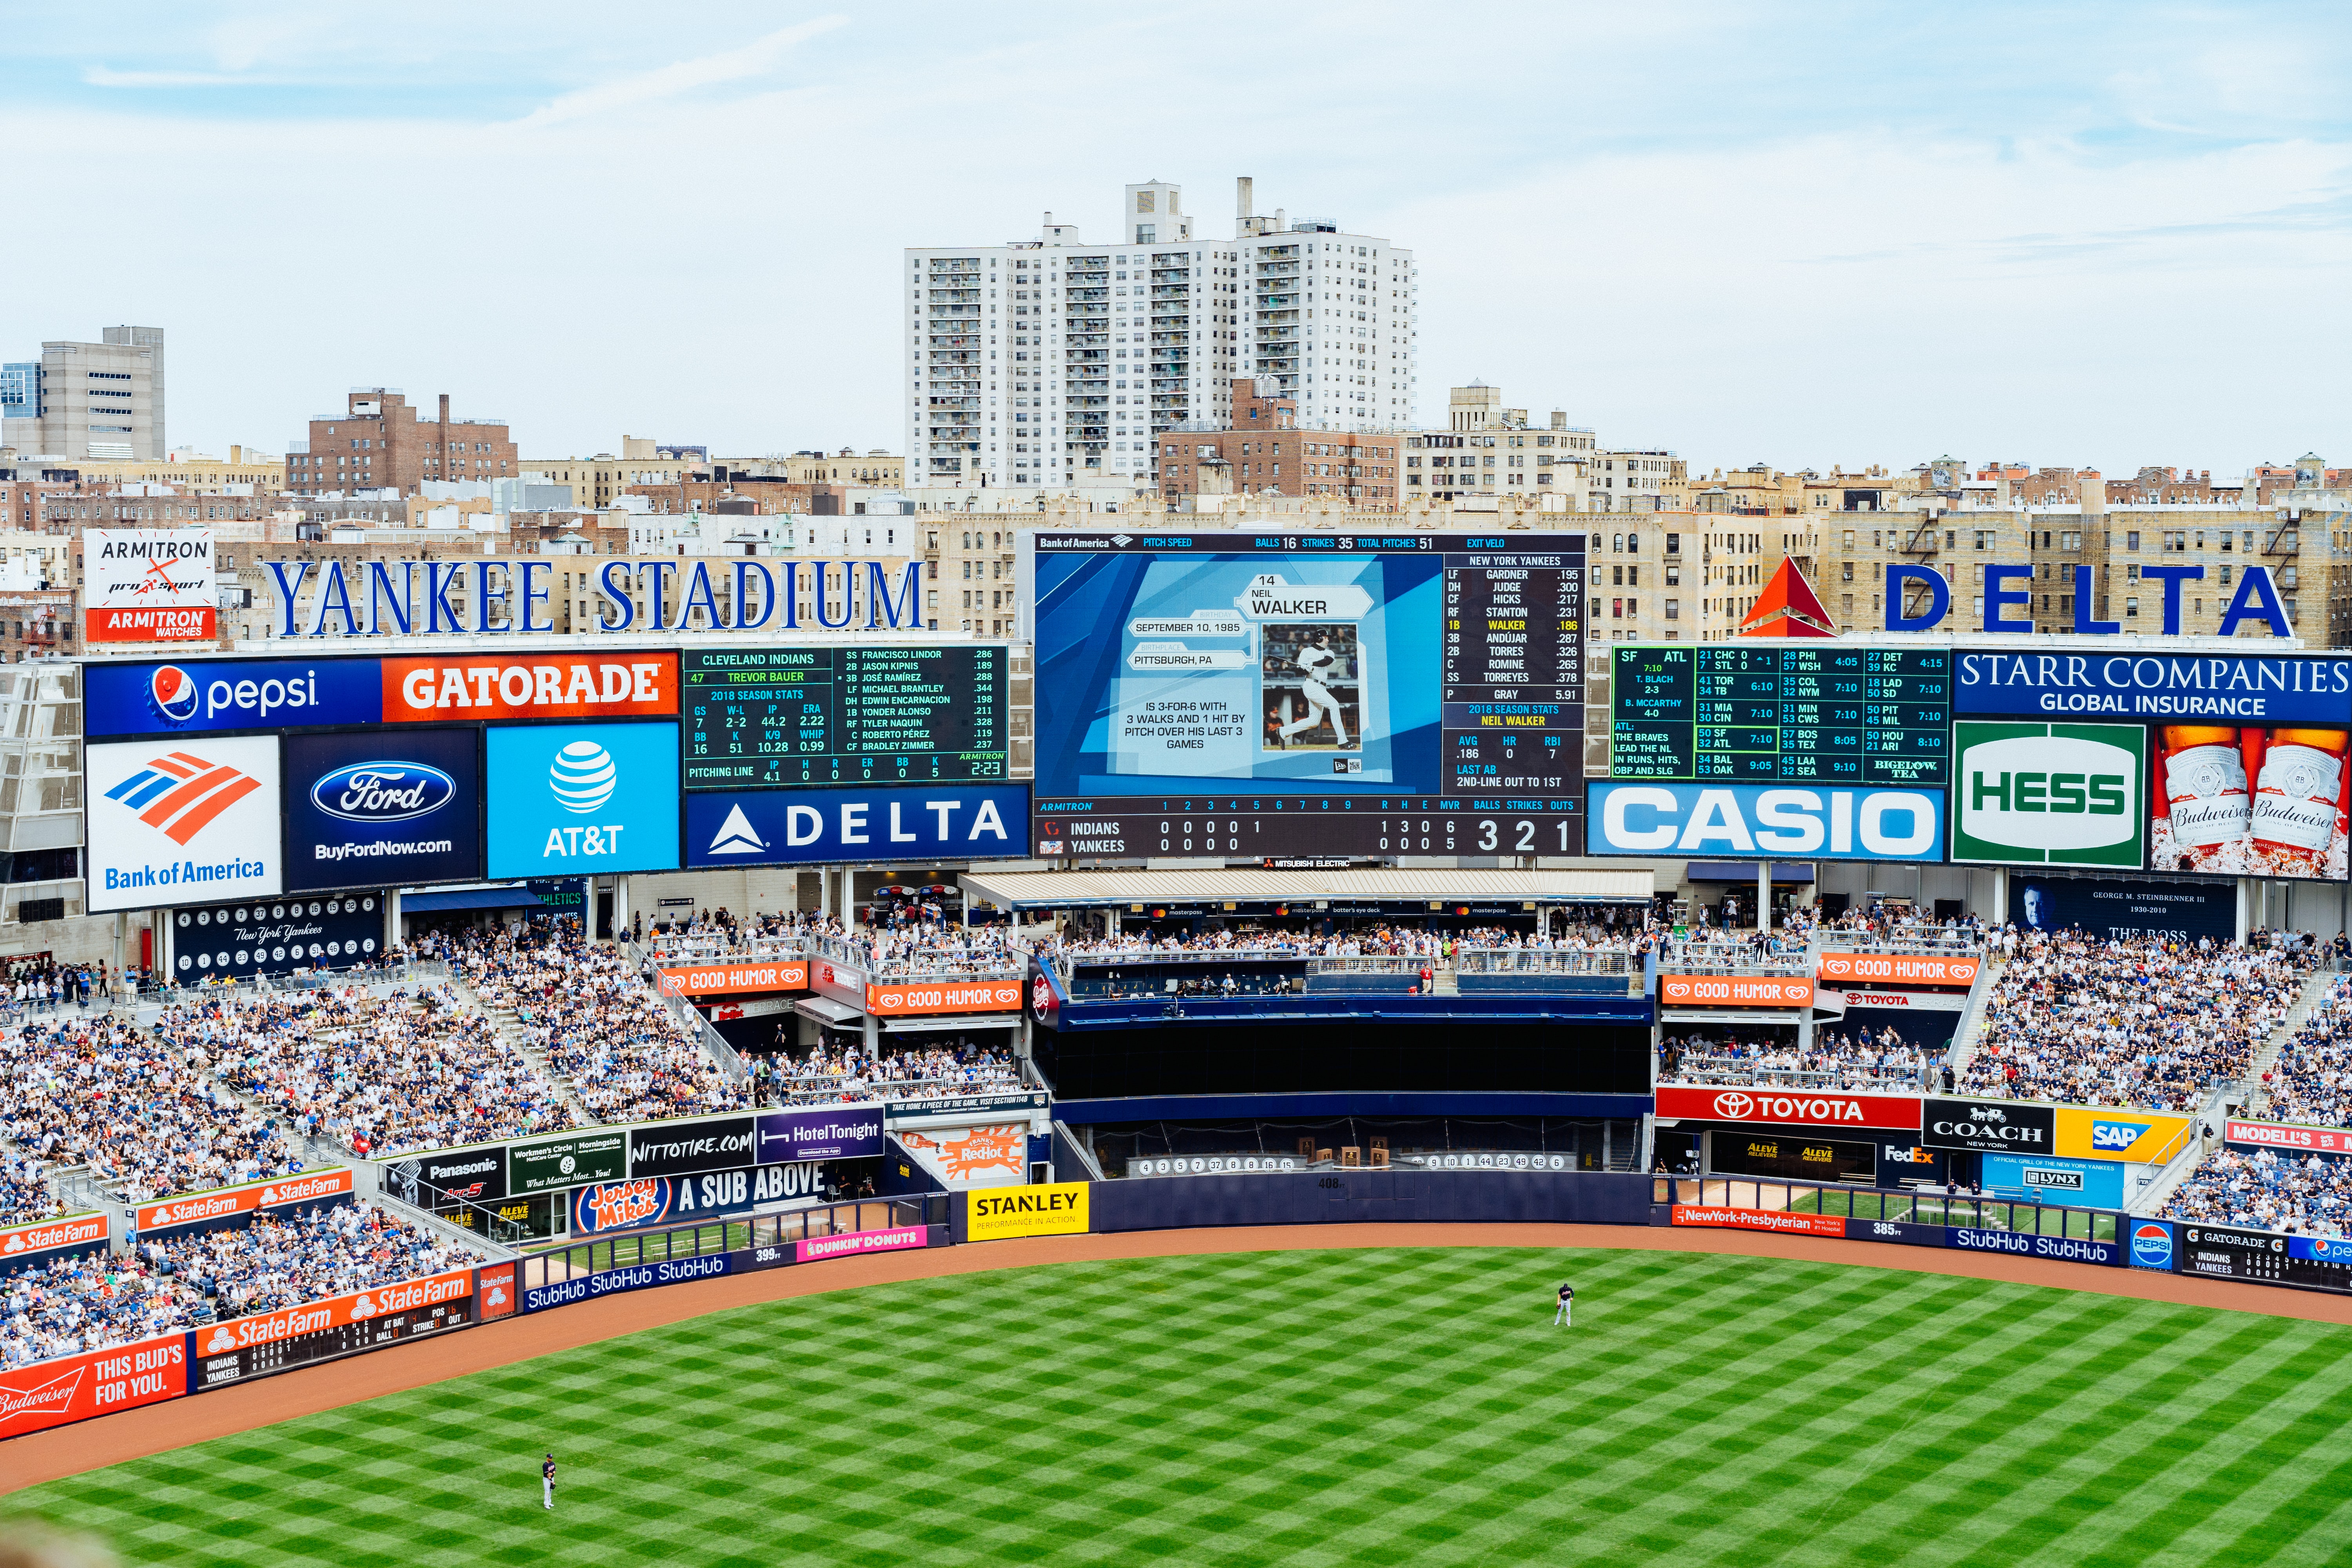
1791,1107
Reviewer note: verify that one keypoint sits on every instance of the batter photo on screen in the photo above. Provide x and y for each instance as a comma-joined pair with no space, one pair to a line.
1310,683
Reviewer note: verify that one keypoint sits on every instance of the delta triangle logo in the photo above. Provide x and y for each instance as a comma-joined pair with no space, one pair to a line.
1788,608
736,836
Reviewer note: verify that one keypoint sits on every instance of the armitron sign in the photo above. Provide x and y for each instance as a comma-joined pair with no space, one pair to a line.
1734,991
148,585
1898,969
1790,1108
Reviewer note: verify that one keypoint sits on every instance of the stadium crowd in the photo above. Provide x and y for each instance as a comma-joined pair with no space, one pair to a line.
2311,1080
2134,1022
2310,1195
821,1077
1835,1060
97,1302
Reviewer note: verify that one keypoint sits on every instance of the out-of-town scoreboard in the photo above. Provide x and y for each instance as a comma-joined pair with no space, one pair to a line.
1829,714
783,718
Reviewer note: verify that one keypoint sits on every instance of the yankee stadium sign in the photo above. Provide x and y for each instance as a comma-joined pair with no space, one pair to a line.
413,598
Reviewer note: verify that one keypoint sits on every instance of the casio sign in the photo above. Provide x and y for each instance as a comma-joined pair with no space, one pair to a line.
383,792
1756,819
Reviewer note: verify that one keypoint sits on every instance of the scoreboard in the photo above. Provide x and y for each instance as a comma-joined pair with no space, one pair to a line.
787,718
1514,673
1831,714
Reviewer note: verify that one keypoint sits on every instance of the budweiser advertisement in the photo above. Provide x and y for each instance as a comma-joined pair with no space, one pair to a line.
1790,1108
534,686
732,979
1899,969
2250,801
29,1245
98,1383
1778,1220
233,1205
896,999
1735,991
148,585
2288,1135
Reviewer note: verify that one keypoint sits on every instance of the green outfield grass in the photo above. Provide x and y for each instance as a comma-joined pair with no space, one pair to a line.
1304,1408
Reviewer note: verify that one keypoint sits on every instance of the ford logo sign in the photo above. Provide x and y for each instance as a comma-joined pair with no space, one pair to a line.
383,792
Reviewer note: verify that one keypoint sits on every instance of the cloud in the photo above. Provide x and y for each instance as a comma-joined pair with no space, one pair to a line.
753,59
99,75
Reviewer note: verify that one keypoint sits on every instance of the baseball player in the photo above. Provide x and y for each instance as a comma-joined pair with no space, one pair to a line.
1311,661
547,1482
1567,1300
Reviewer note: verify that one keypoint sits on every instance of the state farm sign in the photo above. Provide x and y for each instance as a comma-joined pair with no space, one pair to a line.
23,1244
1898,969
1791,1108
227,1205
1735,991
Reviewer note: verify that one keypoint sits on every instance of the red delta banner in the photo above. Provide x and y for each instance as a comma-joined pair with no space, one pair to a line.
334,1313
24,1245
721,979
529,686
97,1382
1734,991
1899,969
2288,1135
1790,1108
901,999
1761,1219
228,1203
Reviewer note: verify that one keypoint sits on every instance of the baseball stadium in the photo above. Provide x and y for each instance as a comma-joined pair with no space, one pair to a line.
489,1119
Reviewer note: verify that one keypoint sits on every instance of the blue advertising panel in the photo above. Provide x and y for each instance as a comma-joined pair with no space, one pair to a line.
204,695
2235,690
824,1133
1319,693
396,807
2174,908
2151,1245
2048,1179
869,826
1762,820
2066,1249
575,800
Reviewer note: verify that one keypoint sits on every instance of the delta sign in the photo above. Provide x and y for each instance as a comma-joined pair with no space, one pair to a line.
2256,599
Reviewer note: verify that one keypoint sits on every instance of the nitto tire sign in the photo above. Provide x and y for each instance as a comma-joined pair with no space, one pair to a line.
2008,1126
2049,794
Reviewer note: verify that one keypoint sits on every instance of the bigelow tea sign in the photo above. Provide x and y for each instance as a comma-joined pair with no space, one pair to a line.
148,585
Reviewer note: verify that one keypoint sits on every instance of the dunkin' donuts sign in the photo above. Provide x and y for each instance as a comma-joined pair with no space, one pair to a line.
1790,1108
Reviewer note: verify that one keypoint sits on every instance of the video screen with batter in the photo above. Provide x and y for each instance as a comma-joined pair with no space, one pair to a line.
1310,688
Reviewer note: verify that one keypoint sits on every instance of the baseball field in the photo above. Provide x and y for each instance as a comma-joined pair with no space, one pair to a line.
1303,1408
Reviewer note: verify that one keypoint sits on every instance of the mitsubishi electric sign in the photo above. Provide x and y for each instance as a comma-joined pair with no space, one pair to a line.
2049,794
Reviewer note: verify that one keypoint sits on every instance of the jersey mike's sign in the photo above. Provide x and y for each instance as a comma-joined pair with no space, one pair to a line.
435,598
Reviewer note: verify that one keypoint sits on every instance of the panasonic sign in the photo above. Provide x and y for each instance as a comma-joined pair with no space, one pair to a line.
1684,819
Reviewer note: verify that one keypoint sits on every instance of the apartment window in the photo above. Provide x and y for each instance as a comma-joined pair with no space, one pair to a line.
1674,544
1674,609
2131,540
2131,609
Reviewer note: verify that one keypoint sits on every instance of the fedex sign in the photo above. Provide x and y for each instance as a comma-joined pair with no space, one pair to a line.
2256,600
1685,819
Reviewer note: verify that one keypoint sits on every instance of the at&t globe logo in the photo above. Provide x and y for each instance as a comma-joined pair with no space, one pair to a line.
582,777
172,694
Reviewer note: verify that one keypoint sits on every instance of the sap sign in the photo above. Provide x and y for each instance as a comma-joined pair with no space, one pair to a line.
2256,600
868,826
1767,819
583,799
202,695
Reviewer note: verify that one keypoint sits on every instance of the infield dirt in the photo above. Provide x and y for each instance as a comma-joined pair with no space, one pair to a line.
111,1439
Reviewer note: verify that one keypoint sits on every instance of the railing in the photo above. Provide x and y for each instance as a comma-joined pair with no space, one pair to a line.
1717,1072
829,1090
668,949
1689,961
1925,943
629,1249
1906,1205
1543,961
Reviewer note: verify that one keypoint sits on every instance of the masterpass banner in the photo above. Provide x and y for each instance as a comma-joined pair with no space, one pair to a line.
179,823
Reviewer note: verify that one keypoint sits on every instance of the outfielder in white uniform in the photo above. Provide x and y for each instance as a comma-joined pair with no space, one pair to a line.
1312,660
1567,1300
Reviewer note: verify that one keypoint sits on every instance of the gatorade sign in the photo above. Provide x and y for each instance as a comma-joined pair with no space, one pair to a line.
2048,794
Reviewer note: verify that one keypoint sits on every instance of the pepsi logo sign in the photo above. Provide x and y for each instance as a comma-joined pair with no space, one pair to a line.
173,693
383,792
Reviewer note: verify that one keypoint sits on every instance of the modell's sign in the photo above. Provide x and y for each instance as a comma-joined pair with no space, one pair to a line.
2288,1135
1790,1108
29,1245
148,585
1734,991
471,598
1898,969
234,1205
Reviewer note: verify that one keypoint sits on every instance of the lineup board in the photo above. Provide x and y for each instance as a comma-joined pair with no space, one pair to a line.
785,718
1814,715
1514,672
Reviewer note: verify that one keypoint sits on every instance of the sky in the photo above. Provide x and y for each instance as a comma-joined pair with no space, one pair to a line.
1807,235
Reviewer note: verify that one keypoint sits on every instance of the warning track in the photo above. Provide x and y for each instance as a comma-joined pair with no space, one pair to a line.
111,1439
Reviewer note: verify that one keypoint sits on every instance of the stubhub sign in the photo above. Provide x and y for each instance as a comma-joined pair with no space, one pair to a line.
1823,823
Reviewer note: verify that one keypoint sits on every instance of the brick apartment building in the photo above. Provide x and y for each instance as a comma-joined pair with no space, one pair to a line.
378,442
1264,452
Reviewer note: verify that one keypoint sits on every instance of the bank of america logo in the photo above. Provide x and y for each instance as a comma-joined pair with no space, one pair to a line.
181,793
736,836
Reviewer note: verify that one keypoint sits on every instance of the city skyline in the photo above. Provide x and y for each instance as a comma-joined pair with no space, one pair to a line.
1760,234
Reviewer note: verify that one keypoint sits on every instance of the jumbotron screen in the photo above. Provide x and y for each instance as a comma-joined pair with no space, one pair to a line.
1308,694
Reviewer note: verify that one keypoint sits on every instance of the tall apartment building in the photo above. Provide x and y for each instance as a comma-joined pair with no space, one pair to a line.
380,442
102,400
1052,363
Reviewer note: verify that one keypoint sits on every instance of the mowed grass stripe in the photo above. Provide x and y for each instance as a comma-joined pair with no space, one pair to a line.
1385,1406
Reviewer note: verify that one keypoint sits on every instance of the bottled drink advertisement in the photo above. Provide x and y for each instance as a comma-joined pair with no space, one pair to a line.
2250,801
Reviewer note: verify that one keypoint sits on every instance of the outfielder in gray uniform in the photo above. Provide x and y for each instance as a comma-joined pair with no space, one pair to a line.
1567,1300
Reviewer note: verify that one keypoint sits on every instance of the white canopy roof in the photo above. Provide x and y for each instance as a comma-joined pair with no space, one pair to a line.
1072,889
